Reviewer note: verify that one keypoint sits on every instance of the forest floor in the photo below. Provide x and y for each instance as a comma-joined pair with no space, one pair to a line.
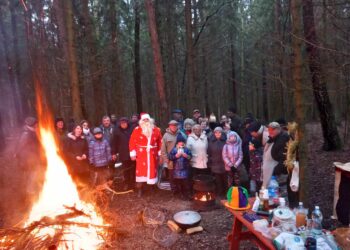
125,209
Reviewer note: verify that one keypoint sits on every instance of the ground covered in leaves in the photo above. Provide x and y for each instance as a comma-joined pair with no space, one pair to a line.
125,211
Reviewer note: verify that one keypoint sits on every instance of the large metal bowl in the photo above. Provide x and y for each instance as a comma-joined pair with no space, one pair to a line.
187,219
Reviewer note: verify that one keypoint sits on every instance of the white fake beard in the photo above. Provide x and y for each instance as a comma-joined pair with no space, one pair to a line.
86,131
147,128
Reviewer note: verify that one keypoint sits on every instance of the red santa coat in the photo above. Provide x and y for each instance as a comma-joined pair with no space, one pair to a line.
146,151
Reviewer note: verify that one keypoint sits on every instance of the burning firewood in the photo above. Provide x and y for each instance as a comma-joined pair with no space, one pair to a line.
29,237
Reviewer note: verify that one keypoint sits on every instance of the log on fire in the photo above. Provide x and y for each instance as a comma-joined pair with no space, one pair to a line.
28,237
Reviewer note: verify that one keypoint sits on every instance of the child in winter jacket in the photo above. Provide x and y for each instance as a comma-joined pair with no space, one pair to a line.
99,157
180,156
232,155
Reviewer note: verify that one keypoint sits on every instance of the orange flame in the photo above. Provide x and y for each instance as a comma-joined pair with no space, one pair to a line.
59,191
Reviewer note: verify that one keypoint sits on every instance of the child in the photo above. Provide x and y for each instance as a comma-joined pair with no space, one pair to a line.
99,156
180,156
232,155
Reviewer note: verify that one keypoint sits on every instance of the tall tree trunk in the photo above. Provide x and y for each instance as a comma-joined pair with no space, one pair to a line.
190,67
137,68
299,100
279,54
17,59
72,62
329,127
264,93
160,83
29,49
233,72
170,48
116,69
95,73
243,87
11,71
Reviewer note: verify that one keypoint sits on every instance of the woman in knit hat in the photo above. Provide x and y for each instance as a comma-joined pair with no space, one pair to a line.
216,143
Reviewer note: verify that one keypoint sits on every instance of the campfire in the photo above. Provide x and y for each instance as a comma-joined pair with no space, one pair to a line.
59,219
204,196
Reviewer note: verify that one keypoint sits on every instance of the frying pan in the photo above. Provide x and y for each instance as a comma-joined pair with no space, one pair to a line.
187,219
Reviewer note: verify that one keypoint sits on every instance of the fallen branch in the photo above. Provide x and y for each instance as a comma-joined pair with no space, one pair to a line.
106,186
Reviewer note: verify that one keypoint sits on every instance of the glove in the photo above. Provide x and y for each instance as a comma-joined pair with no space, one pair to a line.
165,165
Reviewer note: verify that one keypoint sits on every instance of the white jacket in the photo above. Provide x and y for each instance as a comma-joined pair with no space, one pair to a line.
198,147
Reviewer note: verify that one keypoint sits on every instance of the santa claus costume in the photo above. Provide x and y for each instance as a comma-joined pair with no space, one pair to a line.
145,143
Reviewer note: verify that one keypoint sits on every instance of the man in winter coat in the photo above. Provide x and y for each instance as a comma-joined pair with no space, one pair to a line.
99,157
235,120
197,143
168,143
259,132
120,150
196,115
275,155
177,115
30,163
107,128
216,143
145,144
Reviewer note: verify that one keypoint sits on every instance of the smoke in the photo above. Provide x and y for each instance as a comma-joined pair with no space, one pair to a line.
15,202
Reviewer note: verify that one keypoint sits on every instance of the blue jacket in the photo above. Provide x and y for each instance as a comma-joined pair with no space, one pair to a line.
181,165
99,153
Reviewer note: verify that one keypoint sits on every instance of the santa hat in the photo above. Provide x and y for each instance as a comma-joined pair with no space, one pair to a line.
145,116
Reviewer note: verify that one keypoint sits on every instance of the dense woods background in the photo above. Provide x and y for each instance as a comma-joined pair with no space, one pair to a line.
119,56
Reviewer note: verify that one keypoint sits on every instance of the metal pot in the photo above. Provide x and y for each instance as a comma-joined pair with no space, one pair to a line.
203,178
187,219
204,183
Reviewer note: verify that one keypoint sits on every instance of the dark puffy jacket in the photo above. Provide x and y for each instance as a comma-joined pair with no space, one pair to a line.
120,142
72,149
215,161
236,124
181,165
278,152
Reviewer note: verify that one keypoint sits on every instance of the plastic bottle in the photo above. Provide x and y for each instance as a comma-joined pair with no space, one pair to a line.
317,218
301,215
273,191
282,202
266,200
261,197
256,204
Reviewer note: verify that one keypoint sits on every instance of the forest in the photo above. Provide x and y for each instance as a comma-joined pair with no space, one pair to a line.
271,58
84,59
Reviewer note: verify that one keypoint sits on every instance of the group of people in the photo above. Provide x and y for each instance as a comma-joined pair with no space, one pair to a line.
235,151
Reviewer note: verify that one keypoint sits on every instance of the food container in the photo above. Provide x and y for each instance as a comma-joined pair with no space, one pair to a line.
187,219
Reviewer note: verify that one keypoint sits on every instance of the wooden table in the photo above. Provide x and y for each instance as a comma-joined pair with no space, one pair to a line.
237,234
